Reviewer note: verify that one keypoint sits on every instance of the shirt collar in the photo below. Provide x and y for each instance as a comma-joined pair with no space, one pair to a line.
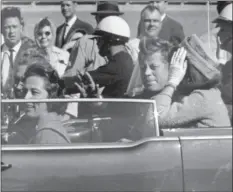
163,16
71,21
15,48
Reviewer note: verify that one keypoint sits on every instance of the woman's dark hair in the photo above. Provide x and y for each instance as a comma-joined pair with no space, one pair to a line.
54,85
194,79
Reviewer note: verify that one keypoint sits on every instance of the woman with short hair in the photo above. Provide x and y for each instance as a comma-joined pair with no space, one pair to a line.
42,122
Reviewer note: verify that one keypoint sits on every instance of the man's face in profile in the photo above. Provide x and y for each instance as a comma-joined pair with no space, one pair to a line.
225,33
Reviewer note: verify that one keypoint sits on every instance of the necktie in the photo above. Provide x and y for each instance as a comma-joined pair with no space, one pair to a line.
64,33
11,57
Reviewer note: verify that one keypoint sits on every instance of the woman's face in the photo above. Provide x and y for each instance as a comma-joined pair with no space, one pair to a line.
44,37
34,87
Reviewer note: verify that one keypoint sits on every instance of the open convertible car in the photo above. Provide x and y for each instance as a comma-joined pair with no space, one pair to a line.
116,147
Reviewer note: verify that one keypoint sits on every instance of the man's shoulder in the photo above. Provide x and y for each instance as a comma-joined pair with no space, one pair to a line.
172,21
86,41
60,26
84,25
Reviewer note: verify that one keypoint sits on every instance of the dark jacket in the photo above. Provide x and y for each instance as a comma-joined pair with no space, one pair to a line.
171,30
78,26
226,87
115,75
48,130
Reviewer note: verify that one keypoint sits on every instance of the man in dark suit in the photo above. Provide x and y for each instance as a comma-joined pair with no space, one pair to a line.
171,30
14,46
72,25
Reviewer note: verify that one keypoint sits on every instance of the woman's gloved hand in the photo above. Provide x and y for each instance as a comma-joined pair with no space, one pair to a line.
178,67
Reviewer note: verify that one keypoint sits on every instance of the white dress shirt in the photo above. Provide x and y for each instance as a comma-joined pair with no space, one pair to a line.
69,25
5,64
16,48
163,16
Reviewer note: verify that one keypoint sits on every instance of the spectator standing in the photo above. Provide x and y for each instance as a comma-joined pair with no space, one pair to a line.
44,34
85,54
170,30
223,29
225,39
14,44
72,25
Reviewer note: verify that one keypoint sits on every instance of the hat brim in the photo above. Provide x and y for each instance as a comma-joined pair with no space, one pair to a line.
221,18
107,13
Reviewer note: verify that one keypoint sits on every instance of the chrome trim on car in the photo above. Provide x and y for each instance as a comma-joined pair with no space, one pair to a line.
116,145
206,137
77,100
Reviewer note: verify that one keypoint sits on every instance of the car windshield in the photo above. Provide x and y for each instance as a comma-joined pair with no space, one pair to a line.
82,120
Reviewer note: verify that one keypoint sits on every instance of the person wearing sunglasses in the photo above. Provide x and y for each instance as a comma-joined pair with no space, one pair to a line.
42,122
45,33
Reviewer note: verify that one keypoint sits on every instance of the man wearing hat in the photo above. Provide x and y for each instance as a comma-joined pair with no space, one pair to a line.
85,54
220,42
219,38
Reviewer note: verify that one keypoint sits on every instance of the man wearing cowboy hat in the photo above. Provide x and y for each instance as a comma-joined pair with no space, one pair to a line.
85,54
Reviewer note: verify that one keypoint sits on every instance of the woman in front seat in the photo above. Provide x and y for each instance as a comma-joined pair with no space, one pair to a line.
42,122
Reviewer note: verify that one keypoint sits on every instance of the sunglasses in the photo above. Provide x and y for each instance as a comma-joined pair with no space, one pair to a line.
47,33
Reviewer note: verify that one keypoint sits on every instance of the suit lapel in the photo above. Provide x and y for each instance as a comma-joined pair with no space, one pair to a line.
71,31
60,36
165,32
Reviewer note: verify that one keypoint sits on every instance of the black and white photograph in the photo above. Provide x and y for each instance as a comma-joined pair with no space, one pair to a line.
116,96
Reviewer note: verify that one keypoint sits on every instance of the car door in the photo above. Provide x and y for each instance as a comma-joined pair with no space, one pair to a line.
207,163
147,165
99,161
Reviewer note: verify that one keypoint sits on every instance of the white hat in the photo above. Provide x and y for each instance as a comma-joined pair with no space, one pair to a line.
114,25
225,14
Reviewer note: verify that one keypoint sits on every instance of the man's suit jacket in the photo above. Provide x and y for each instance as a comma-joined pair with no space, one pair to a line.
26,44
78,26
171,30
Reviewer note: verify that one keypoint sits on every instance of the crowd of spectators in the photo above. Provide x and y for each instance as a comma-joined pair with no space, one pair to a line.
189,77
